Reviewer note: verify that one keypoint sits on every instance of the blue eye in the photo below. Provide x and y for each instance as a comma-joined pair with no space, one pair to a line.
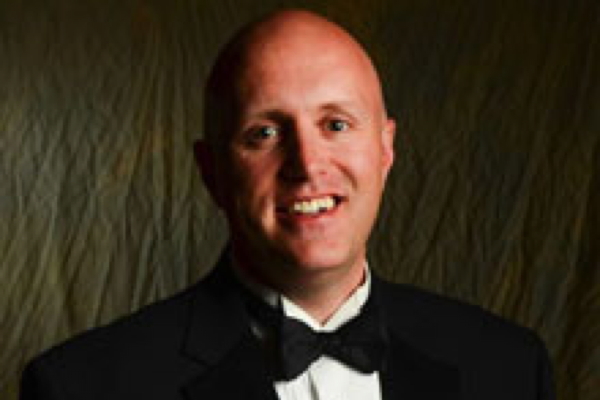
265,132
258,136
337,125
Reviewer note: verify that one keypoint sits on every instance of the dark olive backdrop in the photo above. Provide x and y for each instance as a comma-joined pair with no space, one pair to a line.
493,199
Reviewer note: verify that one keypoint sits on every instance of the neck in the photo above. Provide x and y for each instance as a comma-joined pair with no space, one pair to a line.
318,292
322,299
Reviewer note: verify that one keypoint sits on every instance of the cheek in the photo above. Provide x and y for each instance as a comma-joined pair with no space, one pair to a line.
253,182
366,164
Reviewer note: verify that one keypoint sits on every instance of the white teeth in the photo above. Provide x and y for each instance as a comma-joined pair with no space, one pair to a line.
312,206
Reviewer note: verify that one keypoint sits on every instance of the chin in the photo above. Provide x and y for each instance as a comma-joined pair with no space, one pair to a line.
315,258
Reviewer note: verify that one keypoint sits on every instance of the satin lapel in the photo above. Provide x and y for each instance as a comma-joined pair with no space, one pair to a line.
219,340
409,373
240,376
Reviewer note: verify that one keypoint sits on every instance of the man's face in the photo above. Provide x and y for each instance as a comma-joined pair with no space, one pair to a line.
308,156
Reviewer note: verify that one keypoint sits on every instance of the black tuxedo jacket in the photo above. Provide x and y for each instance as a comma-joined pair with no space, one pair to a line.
198,346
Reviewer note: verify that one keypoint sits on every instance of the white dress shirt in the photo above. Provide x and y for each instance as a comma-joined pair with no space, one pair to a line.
326,378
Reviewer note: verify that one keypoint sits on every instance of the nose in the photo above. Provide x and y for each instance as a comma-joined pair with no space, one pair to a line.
304,153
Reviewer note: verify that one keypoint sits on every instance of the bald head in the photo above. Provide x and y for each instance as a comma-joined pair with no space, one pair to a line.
289,39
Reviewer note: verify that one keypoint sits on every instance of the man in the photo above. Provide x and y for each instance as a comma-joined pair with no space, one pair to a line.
298,147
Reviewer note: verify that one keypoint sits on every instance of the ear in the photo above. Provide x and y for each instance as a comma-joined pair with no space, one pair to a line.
205,161
387,143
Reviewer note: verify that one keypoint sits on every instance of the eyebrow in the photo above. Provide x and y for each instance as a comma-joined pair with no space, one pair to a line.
347,107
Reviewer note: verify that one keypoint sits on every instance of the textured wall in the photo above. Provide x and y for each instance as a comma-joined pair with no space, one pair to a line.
494,198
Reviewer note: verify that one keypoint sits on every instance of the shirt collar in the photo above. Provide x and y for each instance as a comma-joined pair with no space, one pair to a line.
349,309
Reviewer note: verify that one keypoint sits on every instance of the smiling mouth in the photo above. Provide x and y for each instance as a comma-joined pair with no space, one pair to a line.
310,207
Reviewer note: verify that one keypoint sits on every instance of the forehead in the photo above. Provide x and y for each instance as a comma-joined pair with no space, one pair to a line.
304,69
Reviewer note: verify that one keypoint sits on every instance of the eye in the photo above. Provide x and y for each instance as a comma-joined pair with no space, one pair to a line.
265,132
262,133
337,125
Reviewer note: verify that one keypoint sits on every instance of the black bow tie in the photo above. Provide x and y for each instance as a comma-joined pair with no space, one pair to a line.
359,344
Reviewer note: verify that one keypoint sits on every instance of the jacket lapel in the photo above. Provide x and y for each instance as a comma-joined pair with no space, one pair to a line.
240,376
219,339
408,372
411,375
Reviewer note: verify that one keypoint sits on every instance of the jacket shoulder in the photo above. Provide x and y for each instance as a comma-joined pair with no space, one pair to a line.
145,326
94,363
496,358
457,331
